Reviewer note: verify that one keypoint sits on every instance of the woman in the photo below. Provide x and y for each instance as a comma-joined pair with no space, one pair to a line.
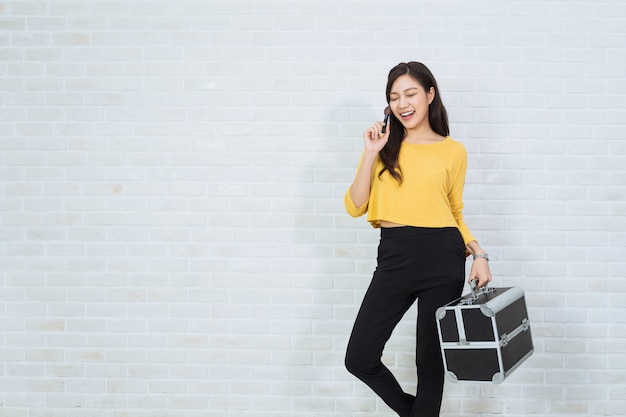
410,181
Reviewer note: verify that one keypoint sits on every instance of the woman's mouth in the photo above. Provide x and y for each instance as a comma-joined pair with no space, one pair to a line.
407,115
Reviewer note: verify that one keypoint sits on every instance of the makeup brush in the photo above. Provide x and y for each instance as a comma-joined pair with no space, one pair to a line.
387,113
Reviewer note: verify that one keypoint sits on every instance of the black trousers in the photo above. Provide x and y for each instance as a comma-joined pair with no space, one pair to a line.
427,264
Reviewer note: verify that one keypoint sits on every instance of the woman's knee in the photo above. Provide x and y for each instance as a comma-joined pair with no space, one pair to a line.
352,362
358,364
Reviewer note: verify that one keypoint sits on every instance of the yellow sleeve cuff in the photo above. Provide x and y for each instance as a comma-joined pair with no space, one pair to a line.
353,210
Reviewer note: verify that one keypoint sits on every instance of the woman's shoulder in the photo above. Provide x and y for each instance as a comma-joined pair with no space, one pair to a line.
454,144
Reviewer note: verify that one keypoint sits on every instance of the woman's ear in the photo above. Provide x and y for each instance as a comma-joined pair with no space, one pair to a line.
431,95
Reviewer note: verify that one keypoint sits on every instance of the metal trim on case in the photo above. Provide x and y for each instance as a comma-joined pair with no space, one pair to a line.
440,313
475,295
498,378
452,376
491,307
519,363
505,338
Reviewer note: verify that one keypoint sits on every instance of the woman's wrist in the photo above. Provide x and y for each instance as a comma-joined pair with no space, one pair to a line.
474,249
483,255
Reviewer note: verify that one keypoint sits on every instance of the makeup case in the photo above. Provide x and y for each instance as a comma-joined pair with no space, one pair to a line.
485,335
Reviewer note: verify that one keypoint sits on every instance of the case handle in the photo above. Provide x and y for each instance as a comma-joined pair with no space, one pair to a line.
476,292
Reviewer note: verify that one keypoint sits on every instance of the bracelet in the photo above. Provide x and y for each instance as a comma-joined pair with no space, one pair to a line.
481,255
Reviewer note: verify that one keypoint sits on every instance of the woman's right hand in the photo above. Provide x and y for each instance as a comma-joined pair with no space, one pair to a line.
373,140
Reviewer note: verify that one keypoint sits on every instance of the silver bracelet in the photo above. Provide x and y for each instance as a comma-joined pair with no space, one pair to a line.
481,255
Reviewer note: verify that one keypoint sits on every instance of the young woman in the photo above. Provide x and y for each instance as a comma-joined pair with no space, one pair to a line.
410,181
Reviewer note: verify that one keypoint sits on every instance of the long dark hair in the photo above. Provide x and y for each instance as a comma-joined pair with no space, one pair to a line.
437,115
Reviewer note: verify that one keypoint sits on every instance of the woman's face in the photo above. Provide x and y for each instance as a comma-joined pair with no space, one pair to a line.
409,101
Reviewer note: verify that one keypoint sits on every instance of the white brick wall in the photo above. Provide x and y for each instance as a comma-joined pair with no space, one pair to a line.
173,238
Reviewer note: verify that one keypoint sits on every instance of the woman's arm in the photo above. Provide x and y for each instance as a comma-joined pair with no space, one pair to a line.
480,267
360,188
374,141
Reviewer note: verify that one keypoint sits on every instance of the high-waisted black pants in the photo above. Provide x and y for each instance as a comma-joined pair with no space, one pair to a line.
427,264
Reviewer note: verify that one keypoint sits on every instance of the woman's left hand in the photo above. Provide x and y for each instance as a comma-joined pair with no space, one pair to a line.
480,272
480,267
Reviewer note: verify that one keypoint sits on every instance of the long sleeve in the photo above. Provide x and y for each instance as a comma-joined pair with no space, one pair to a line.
456,196
351,208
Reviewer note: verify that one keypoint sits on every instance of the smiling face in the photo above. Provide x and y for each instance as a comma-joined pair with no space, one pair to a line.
409,102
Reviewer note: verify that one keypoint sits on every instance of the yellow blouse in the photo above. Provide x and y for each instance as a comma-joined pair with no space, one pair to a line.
431,192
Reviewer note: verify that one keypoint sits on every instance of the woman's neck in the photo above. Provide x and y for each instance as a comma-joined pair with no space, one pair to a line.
422,134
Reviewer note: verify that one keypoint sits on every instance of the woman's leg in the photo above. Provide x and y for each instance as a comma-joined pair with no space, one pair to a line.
387,299
428,264
447,281
430,371
380,312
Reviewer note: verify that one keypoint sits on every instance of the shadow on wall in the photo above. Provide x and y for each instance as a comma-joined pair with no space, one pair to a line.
327,283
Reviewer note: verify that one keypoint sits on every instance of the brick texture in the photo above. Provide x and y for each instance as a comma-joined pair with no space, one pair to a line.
173,239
